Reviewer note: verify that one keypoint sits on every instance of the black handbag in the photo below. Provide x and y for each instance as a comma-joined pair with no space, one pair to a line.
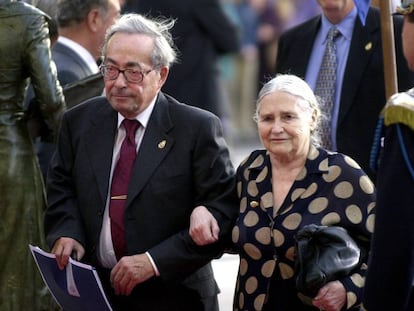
323,254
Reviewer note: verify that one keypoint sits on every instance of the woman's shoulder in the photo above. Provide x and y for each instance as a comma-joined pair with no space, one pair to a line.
341,167
256,158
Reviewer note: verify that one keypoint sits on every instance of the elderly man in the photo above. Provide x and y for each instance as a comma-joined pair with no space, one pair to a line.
129,171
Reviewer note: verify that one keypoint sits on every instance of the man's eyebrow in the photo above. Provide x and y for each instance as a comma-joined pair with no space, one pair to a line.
128,64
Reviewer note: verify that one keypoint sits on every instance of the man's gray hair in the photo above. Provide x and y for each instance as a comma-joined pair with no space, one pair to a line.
164,53
70,12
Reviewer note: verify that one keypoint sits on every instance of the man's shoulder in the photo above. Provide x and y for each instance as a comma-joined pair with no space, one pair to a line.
63,54
400,109
89,106
179,108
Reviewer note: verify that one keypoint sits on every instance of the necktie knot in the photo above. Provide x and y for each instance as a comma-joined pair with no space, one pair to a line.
333,33
131,127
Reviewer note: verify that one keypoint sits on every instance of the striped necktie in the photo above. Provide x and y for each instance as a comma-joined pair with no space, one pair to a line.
326,86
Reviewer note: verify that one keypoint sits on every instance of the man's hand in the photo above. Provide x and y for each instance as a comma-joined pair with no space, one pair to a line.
130,271
65,248
203,226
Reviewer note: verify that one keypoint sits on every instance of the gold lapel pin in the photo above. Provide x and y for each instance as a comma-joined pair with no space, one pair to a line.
161,144
368,46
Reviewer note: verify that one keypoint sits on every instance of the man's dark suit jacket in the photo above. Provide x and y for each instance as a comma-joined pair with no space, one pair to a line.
70,66
182,162
202,32
363,89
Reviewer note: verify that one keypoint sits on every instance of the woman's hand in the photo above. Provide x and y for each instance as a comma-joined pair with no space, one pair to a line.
331,297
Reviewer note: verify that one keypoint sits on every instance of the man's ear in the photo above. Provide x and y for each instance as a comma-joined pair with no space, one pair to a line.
94,20
163,75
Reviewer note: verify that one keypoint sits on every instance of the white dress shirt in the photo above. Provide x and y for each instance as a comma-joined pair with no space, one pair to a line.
106,253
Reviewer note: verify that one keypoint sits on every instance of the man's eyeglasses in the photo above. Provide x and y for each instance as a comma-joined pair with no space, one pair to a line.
131,75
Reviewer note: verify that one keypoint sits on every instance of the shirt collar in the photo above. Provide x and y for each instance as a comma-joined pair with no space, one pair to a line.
81,51
345,26
143,117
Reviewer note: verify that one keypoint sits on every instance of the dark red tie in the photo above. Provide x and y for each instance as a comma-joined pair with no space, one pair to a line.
119,187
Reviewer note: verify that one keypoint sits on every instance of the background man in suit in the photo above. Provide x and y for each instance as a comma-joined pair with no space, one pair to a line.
81,26
390,275
182,165
202,32
360,89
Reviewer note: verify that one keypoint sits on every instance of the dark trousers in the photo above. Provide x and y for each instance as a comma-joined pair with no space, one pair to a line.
154,295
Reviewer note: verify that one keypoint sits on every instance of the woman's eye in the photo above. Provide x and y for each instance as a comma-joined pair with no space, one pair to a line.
289,117
266,119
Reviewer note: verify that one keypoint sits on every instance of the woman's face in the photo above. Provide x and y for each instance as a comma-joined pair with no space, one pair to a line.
284,127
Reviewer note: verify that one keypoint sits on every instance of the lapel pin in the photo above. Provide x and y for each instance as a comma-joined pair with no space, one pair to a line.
368,46
161,144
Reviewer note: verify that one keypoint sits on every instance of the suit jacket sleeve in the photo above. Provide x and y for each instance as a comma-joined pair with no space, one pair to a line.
214,182
389,281
62,217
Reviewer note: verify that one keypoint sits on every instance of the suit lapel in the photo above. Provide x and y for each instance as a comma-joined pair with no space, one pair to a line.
365,40
155,146
74,57
100,143
305,46
295,57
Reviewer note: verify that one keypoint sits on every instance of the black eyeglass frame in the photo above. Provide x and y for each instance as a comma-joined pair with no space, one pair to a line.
126,73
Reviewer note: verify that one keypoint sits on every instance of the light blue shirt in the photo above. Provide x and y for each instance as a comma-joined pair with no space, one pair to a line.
343,43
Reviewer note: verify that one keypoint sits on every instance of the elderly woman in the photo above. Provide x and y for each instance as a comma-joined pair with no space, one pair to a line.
288,185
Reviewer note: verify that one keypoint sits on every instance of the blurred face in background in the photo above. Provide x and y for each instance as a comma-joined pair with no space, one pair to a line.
408,39
108,19
336,10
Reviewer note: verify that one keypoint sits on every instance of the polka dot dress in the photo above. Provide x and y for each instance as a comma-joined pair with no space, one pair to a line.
330,190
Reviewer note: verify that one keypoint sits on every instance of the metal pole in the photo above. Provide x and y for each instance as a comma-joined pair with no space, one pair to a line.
388,47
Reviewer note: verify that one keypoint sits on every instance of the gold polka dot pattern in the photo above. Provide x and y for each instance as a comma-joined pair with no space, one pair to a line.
354,214
292,221
251,285
318,205
263,236
330,190
268,268
251,219
351,299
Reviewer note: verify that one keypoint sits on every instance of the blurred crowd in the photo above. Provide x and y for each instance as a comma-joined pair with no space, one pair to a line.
260,23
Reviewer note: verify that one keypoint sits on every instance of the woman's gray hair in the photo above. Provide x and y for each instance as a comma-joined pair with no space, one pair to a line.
164,53
298,88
